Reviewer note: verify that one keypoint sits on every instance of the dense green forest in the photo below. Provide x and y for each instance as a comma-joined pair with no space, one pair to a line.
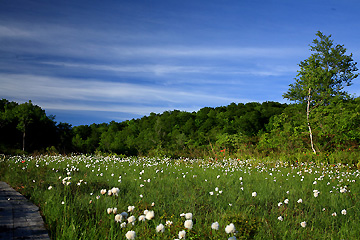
322,122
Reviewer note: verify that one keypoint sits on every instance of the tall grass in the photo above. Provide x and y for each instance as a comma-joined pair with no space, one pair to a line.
213,191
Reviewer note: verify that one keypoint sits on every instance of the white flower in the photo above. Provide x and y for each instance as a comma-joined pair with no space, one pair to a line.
122,225
216,189
109,210
152,204
115,191
142,218
230,228
160,228
149,215
182,234
279,204
131,208
188,215
211,193
215,226
303,224
168,223
254,194
50,187
131,219
182,214
118,217
188,224
300,200
130,235
141,196
343,212
286,201
334,214
314,182
146,211
114,210
280,218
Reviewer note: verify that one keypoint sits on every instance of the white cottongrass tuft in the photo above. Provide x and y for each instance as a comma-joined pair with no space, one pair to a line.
230,228
131,219
279,204
334,214
280,218
168,223
130,235
114,210
215,226
149,215
286,201
188,215
343,212
160,228
103,191
188,224
300,200
142,218
182,234
122,225
254,194
115,191
109,210
118,217
303,224
131,208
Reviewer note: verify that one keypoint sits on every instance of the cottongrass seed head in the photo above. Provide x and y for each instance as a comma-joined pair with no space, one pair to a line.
215,226
130,235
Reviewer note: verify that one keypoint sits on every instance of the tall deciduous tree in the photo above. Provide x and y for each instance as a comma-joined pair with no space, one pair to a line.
322,77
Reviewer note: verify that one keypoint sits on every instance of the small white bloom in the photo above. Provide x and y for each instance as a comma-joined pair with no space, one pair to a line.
114,210
280,218
168,223
141,196
142,218
334,214
303,224
182,214
131,219
160,228
122,225
109,210
230,228
215,226
300,200
286,201
118,217
131,208
182,234
211,193
152,204
216,189
188,216
279,204
254,194
188,224
130,235
150,215
343,212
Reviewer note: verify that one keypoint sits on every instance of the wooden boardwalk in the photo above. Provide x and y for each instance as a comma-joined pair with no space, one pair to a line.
19,218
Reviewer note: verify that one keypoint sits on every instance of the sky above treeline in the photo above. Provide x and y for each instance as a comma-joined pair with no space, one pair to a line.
97,61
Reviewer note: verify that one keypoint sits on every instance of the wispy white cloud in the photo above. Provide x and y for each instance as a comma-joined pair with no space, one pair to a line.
96,95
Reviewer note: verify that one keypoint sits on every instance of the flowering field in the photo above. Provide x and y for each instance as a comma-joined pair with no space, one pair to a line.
94,197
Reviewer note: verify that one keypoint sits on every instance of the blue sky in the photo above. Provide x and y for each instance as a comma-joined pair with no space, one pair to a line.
97,61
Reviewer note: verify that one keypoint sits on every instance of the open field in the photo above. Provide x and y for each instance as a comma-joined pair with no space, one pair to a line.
94,197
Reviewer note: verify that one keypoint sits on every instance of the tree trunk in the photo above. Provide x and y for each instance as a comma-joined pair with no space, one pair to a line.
308,122
23,141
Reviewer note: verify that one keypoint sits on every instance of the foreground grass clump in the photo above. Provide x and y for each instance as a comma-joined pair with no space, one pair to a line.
93,197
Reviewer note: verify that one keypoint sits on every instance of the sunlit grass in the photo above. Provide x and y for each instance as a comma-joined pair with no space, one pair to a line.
261,200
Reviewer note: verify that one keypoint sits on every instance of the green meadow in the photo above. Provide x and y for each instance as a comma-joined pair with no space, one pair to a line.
97,197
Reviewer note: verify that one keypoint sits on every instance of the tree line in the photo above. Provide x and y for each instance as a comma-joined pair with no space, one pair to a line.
322,119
